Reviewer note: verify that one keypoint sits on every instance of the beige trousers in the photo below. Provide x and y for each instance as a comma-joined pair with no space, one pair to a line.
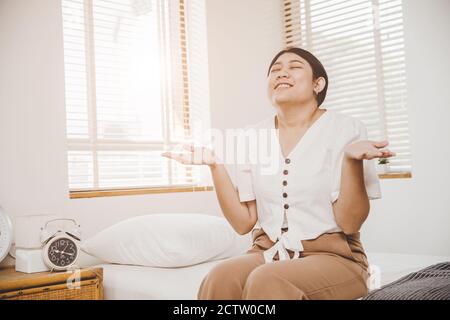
332,266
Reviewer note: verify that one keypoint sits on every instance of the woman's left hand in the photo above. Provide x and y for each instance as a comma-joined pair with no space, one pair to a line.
366,149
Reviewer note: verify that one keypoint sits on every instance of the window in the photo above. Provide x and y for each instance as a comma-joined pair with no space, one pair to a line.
136,84
361,44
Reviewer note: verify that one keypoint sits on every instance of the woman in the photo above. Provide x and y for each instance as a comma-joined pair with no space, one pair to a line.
305,217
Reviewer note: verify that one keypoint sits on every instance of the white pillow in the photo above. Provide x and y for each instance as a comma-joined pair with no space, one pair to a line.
167,240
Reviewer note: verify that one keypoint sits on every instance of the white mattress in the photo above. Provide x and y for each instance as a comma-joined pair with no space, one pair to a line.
124,282
393,266
135,282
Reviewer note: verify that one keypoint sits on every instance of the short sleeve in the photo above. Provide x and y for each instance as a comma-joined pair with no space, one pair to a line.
244,184
349,134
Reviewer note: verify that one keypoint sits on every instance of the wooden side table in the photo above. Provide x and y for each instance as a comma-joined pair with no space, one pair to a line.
85,284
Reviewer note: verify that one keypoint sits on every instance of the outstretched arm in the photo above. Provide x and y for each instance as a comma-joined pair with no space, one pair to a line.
241,215
352,207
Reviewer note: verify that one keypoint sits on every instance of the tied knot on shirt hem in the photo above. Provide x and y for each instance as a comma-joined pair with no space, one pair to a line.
280,248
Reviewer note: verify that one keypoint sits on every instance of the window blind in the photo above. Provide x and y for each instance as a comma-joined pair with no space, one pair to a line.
136,84
361,45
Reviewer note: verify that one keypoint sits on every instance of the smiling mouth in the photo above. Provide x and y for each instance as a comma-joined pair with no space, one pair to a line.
283,86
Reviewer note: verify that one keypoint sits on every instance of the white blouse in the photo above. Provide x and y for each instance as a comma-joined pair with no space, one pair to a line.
298,191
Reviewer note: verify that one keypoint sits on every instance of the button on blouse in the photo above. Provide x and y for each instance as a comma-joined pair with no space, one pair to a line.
301,189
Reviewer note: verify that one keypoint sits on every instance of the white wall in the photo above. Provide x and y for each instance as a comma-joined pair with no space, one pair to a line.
412,217
243,37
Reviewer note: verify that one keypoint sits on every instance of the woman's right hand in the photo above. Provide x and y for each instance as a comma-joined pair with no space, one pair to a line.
194,155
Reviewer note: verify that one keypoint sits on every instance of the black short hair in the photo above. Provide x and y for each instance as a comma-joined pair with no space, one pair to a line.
316,66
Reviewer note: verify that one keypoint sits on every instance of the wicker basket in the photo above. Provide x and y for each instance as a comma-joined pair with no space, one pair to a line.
51,285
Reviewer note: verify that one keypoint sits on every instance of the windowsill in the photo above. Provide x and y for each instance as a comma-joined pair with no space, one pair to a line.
133,192
395,175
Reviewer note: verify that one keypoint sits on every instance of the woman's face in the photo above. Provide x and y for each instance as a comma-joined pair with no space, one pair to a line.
290,80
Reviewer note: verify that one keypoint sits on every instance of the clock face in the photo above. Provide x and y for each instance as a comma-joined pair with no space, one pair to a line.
62,252
6,235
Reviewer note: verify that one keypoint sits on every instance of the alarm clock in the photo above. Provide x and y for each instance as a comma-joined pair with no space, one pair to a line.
60,248
6,234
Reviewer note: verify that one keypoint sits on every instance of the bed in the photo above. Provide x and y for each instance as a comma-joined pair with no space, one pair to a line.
122,282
